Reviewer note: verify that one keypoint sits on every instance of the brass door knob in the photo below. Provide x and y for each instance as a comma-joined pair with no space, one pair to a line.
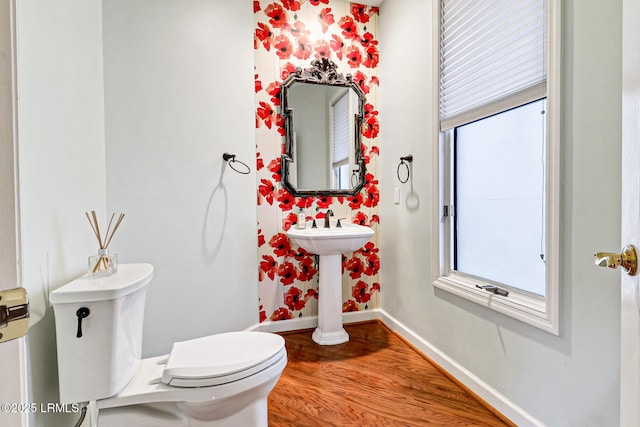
628,259
14,314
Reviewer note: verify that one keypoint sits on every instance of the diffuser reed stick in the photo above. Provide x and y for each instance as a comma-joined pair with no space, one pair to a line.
104,262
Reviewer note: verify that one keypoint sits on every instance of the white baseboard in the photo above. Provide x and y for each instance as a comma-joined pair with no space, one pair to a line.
311,322
483,390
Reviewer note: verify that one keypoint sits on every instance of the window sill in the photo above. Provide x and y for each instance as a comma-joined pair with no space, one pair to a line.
526,308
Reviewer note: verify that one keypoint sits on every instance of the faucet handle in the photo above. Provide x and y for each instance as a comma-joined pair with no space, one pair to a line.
338,225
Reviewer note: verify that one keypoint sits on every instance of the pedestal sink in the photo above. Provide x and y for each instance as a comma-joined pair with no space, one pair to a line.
330,243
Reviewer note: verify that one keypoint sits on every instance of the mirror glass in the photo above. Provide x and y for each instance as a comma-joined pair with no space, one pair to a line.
323,114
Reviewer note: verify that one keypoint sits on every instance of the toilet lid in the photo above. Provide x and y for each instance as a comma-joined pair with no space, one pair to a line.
222,358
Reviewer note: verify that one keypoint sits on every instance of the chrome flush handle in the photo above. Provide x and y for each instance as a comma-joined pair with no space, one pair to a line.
628,259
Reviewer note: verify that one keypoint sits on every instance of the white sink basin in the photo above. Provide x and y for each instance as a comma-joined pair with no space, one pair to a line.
333,240
330,244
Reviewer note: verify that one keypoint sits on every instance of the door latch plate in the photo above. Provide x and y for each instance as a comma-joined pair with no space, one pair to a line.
14,314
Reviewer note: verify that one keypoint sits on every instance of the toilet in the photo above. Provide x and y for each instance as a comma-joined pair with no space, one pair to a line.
217,380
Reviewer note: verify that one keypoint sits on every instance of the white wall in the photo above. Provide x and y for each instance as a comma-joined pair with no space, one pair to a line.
61,163
179,85
179,92
570,380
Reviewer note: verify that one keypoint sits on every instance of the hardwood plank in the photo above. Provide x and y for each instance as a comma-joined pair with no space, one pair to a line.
376,379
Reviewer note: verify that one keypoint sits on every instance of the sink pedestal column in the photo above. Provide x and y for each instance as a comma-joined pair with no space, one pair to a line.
330,330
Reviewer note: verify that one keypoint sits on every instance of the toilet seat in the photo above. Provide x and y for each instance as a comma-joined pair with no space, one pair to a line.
221,359
149,386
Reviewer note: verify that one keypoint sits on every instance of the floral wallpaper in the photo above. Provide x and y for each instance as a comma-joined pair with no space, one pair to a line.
290,34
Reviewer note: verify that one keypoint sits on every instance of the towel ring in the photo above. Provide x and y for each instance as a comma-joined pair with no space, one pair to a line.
231,158
408,159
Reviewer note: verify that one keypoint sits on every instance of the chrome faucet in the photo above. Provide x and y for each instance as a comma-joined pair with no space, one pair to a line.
326,218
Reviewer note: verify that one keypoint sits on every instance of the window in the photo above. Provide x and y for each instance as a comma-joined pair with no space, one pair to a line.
498,230
498,179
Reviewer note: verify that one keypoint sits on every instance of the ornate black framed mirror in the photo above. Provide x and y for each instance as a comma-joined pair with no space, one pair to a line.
323,113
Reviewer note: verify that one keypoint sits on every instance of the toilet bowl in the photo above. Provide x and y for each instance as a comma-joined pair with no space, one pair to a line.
217,380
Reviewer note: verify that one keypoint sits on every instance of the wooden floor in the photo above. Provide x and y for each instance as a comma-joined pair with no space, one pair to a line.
375,379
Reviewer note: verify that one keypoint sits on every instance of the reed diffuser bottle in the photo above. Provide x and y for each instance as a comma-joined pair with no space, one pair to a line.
103,264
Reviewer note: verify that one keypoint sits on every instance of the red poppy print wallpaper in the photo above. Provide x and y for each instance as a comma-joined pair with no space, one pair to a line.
290,34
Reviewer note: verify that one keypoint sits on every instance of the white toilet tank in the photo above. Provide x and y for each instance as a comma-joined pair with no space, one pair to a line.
99,332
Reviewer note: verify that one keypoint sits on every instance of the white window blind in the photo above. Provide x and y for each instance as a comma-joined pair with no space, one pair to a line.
493,57
341,130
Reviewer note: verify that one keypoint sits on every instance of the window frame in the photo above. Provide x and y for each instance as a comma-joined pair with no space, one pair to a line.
538,311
